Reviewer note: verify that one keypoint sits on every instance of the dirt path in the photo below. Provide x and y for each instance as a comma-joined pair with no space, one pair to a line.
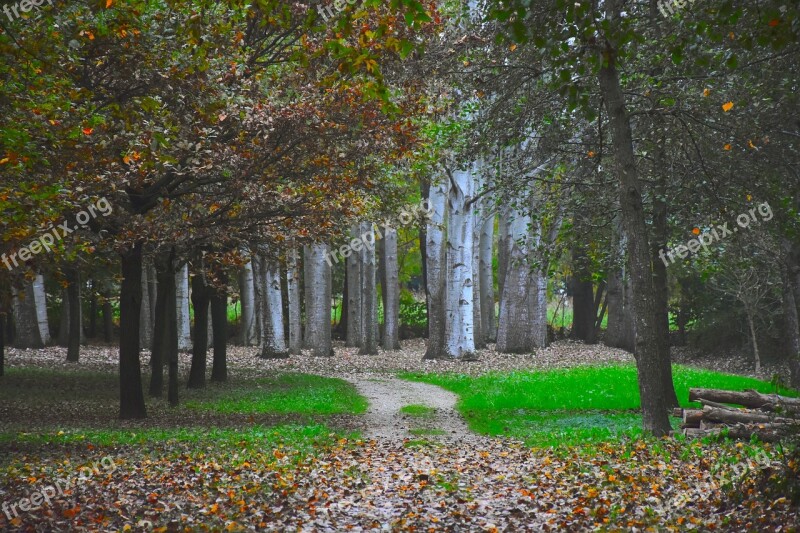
387,395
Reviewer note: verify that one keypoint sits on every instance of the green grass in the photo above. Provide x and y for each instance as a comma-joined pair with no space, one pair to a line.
302,394
570,406
417,410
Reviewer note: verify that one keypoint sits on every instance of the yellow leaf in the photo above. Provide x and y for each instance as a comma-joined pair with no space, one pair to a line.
750,144
4,161
727,147
749,197
727,106
513,47
706,91
126,160
732,36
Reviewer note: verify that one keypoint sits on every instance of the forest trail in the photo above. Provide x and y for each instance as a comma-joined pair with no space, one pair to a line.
387,395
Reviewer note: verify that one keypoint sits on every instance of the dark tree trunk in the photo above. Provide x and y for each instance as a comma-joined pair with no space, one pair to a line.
93,311
200,298
583,311
661,298
219,320
171,351
649,352
165,277
74,291
792,329
108,317
341,327
131,404
2,343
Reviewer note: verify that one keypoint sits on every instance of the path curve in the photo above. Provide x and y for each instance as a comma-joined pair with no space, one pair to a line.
388,394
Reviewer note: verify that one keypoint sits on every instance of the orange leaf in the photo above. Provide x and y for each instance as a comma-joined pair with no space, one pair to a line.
727,106
590,154
706,91
88,131
774,22
108,3
696,231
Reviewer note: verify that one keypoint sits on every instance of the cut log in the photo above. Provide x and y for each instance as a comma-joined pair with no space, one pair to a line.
692,417
748,398
736,416
772,433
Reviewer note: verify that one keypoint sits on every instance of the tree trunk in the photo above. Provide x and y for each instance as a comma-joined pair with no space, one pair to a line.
477,321
273,342
369,291
583,311
165,277
200,299
751,326
219,320
513,329
2,343
248,319
146,320
318,300
488,326
108,317
435,260
790,313
355,303
30,315
93,311
649,352
75,326
459,340
131,398
293,295
390,290
182,306
505,245
171,351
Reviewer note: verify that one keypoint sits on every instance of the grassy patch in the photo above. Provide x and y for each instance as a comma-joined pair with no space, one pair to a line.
570,406
417,410
304,394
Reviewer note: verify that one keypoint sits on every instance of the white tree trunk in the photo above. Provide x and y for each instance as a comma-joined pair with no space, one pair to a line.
488,326
538,288
182,308
390,289
318,300
459,324
436,263
30,314
355,317
293,295
515,306
504,246
369,293
247,335
273,340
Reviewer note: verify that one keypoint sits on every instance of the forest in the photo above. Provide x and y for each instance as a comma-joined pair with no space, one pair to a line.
462,265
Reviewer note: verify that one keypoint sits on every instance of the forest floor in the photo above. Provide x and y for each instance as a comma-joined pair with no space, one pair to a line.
279,447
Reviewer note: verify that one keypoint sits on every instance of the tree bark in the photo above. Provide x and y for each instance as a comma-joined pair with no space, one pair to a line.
488,325
219,320
130,375
390,290
514,323
318,300
749,398
247,334
30,315
649,353
355,303
369,291
459,324
108,317
477,320
165,277
200,299
74,317
293,295
435,260
146,320
752,328
93,311
273,342
583,310
182,306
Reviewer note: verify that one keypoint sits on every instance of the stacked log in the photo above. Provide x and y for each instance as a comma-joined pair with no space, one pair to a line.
769,417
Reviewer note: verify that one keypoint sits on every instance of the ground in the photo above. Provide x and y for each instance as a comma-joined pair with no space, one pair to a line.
291,444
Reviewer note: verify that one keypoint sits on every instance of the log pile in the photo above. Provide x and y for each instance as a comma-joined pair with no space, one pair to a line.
769,417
